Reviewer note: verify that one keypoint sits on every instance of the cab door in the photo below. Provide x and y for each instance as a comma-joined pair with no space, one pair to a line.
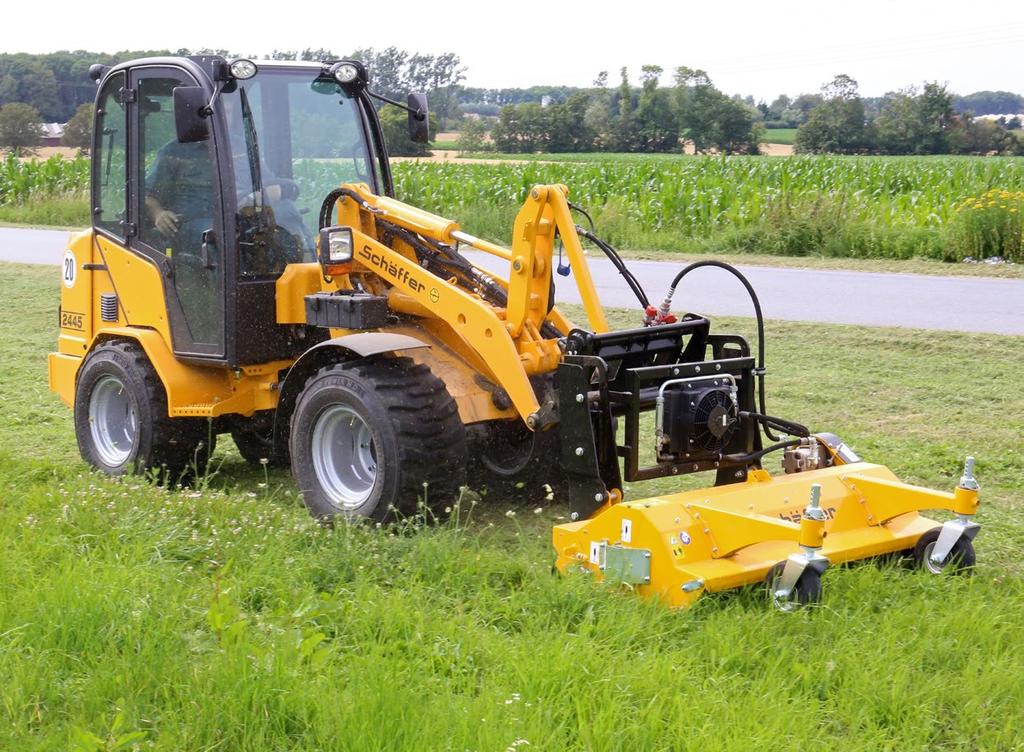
177,213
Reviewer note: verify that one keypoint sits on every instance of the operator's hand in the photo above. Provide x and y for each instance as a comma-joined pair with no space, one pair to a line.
167,222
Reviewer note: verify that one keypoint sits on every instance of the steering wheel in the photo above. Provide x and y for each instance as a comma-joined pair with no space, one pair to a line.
289,191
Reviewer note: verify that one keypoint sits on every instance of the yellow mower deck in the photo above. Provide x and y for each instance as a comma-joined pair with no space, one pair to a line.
679,545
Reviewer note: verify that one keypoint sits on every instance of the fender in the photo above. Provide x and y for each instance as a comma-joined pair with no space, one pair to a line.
192,391
346,347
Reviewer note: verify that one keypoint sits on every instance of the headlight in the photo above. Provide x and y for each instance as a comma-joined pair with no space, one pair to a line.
242,69
335,245
346,73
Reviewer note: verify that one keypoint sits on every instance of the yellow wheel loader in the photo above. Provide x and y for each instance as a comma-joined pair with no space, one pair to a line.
249,272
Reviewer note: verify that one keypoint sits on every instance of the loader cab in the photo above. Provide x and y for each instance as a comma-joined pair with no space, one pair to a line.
223,207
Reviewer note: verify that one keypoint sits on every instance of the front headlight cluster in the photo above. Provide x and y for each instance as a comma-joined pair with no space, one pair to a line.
335,245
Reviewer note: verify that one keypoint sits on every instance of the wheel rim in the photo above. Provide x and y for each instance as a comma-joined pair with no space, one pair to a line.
788,604
344,456
113,421
929,564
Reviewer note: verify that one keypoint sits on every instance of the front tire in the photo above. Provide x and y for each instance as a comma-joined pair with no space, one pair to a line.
374,437
121,420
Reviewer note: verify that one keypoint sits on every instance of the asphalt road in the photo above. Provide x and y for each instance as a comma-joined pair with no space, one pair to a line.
967,304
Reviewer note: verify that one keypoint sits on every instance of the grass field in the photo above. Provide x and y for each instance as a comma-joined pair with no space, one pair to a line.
221,618
780,135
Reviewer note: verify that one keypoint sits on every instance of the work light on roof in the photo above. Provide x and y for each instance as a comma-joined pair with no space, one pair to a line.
242,69
346,73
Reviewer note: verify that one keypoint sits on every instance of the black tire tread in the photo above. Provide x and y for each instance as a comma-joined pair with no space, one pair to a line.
178,445
808,587
432,437
962,558
254,450
430,434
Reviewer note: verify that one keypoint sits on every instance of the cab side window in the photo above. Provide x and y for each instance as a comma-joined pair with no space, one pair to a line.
110,172
177,178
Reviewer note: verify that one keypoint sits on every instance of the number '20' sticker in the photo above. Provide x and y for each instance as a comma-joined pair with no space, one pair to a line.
69,269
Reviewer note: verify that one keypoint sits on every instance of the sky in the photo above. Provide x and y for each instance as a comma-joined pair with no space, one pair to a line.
762,49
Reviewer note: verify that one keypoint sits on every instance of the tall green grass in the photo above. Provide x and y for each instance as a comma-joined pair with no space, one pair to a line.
220,617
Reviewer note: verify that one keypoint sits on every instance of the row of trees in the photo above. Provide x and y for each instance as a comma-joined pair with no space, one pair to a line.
57,83
649,119
910,121
787,112
837,120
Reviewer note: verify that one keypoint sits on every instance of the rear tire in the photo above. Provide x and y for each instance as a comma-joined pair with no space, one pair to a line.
121,420
256,444
512,463
375,437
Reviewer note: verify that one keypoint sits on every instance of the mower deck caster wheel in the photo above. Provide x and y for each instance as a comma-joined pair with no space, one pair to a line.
961,557
806,591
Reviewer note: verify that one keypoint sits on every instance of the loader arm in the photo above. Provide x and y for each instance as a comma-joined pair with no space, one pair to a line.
510,342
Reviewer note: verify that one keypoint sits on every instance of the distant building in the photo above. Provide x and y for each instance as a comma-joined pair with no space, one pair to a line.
52,134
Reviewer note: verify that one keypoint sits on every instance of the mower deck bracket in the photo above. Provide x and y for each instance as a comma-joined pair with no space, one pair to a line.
885,499
729,531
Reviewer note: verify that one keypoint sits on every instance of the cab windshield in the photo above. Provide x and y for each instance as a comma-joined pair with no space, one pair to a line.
293,139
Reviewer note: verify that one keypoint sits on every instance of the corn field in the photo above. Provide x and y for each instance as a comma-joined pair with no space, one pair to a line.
736,198
56,177
844,206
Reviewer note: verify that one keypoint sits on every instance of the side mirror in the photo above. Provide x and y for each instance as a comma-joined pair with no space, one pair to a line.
419,123
190,113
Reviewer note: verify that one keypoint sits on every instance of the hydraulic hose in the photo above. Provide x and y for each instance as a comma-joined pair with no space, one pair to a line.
760,370
613,255
755,456
327,207
584,212
787,426
619,264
